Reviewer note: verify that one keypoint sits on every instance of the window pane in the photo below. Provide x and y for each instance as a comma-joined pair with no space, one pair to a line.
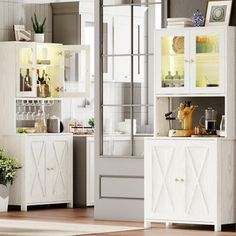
143,117
116,131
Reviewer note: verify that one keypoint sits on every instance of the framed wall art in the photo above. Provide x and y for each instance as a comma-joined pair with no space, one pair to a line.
218,13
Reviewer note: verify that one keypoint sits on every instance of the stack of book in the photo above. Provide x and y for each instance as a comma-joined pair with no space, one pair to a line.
179,22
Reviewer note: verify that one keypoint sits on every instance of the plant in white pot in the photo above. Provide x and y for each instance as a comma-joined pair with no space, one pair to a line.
38,29
8,167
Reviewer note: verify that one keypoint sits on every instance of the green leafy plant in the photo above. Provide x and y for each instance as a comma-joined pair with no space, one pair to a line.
91,122
37,25
8,167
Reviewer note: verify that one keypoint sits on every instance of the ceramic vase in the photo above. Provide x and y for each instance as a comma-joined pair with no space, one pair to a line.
4,197
198,19
39,38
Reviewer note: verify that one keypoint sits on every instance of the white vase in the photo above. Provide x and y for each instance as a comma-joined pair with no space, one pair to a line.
39,38
4,197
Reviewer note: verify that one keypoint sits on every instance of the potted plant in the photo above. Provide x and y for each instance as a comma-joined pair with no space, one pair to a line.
8,167
38,29
91,122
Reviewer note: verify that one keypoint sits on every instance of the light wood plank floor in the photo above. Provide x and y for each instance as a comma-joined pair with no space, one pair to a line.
85,216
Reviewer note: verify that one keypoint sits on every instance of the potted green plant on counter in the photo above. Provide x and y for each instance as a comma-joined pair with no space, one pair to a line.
39,29
8,167
91,122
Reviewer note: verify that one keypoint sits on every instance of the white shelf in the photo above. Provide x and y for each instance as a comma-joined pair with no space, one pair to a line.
209,54
39,99
173,55
38,65
46,65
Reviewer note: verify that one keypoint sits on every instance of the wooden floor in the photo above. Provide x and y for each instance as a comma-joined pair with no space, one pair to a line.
85,216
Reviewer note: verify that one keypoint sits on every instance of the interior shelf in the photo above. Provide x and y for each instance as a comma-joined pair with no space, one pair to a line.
39,99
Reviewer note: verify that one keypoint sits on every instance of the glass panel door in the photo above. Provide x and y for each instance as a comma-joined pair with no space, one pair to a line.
76,71
26,84
206,61
173,62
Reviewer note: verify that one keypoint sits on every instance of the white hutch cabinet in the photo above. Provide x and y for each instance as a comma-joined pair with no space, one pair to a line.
46,175
68,66
192,179
192,61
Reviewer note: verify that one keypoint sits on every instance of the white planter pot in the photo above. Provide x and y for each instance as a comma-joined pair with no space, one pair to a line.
39,38
4,197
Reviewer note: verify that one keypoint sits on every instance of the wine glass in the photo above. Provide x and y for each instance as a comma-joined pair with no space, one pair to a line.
34,111
29,114
24,113
18,109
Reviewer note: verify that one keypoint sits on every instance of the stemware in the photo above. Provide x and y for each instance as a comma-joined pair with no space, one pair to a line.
34,110
18,109
24,113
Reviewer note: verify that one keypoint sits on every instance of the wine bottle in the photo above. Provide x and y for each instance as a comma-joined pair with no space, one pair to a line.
47,91
21,81
27,81
39,91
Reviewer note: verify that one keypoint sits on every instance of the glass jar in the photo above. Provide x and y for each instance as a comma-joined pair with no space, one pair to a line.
222,126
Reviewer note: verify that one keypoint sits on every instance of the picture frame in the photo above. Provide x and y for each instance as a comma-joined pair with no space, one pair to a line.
21,34
218,13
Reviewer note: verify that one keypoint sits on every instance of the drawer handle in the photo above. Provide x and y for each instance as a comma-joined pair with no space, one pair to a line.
179,180
48,168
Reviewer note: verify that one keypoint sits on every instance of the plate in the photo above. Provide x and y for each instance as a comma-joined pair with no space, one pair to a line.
178,44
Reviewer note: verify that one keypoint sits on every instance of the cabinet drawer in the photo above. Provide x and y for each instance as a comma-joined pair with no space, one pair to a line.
122,187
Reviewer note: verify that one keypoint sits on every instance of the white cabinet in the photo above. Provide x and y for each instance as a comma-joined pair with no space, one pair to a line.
189,180
46,173
122,48
66,69
90,172
76,79
192,61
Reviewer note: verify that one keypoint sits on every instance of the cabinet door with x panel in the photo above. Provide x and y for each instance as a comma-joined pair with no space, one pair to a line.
165,188
200,178
181,185
58,169
35,171
48,170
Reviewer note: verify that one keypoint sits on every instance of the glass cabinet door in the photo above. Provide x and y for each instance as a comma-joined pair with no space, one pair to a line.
207,61
26,78
172,65
76,82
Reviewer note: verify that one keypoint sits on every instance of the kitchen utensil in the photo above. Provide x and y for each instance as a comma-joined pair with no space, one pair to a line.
54,125
210,120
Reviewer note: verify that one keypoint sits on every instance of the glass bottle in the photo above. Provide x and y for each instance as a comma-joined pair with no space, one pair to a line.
47,92
21,81
39,92
27,81
222,126
169,76
43,85
177,76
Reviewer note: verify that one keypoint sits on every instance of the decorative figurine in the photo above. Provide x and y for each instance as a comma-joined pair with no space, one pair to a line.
169,76
198,19
177,76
